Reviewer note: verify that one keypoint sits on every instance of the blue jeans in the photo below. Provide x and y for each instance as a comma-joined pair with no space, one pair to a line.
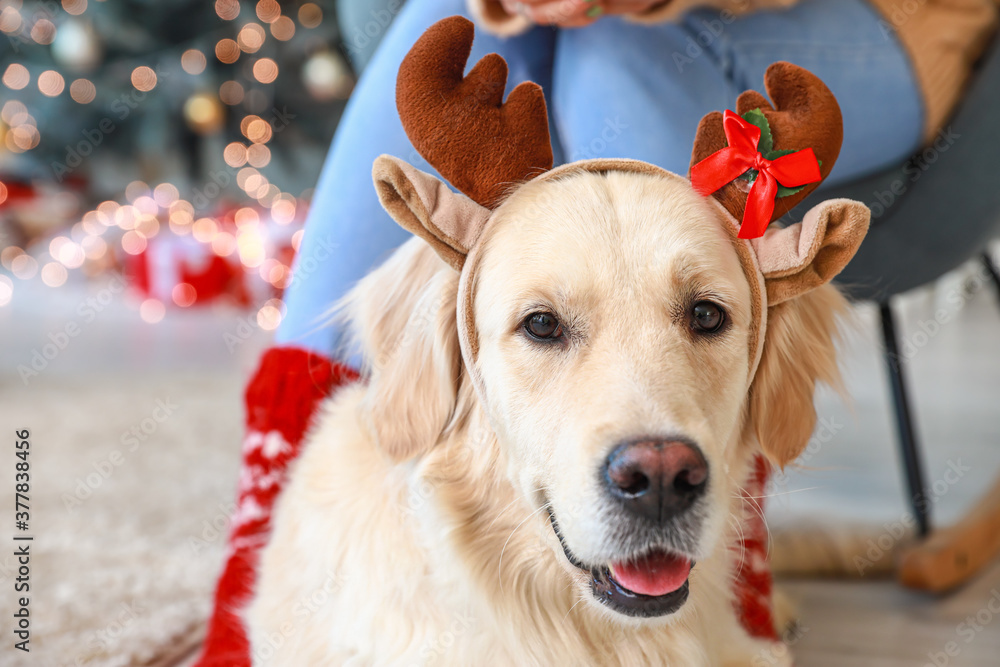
614,89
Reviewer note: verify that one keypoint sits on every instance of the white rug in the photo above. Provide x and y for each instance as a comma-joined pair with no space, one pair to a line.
132,481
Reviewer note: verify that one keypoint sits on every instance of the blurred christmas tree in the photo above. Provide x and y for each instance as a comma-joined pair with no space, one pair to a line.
168,110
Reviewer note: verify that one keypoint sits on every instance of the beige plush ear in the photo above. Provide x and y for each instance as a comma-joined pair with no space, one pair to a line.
803,256
449,222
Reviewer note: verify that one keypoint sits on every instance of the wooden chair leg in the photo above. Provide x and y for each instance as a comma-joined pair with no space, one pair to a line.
952,555
904,423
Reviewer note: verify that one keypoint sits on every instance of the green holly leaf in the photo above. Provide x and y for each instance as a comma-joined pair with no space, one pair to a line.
775,154
757,117
788,192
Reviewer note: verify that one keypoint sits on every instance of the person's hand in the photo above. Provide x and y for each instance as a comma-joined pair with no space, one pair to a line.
574,13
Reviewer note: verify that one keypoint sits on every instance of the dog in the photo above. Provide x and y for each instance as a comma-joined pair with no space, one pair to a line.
544,461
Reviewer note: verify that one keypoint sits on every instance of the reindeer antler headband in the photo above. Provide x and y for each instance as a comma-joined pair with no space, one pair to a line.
758,165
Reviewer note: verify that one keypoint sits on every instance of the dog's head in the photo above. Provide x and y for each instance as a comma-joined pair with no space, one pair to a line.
617,332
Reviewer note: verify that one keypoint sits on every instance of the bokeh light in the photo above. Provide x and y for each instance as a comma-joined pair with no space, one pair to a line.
245,123
251,38
94,247
251,249
183,294
10,19
227,51
165,194
82,91
24,266
204,229
268,10
204,112
283,211
148,226
246,217
16,76
235,154
152,311
244,174
223,244
144,78
269,317
51,83
8,254
258,131
6,290
71,255
310,15
14,113
136,189
231,92
56,245
54,274
193,61
74,7
265,70
23,137
43,32
283,28
227,9
133,243
258,155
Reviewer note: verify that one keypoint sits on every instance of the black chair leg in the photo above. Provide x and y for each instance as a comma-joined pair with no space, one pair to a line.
904,423
991,268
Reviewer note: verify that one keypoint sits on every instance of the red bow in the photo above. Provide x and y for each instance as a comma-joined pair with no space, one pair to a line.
728,164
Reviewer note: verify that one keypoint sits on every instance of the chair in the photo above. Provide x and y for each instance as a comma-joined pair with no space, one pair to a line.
929,216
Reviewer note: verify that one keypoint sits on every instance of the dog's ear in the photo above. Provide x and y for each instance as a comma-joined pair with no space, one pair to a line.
799,351
808,254
799,348
405,322
423,205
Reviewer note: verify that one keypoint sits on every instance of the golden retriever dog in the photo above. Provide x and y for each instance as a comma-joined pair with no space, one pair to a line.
565,388
424,526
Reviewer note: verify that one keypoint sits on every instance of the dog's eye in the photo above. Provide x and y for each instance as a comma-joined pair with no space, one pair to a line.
542,326
707,317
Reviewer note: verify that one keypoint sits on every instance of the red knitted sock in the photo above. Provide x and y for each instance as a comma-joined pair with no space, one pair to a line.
280,400
753,583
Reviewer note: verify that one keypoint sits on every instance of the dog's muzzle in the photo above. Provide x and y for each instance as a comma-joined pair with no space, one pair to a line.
661,574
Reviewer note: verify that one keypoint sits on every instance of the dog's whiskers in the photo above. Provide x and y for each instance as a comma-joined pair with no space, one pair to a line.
500,562
734,520
748,499
509,505
570,610
782,493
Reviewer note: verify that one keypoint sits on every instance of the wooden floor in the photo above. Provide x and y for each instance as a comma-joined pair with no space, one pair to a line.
879,624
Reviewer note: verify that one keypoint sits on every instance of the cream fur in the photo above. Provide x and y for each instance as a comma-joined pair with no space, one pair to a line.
413,530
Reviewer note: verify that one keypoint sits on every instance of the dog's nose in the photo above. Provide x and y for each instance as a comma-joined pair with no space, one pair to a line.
657,479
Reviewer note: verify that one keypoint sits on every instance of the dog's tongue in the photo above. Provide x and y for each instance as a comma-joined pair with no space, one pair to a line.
657,574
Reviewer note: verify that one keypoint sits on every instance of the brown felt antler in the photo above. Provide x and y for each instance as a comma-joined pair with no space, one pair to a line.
805,115
462,126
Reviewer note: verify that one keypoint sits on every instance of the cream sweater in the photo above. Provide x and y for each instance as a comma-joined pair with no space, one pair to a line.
943,38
